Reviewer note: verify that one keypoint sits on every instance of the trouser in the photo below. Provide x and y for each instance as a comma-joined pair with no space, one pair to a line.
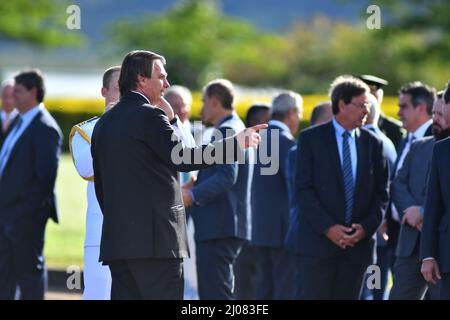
334,278
147,279
97,277
275,274
215,259
245,273
409,283
22,263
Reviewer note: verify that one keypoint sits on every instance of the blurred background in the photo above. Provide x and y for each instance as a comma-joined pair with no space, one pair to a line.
260,45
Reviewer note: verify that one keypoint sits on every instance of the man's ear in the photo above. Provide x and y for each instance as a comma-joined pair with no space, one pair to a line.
423,108
140,80
215,102
341,105
104,90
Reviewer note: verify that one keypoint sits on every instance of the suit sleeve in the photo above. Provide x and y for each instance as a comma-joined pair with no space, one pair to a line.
46,148
224,176
434,208
98,182
307,199
380,192
167,145
400,192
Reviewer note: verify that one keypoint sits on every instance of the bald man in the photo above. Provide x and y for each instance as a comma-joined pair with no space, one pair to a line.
8,114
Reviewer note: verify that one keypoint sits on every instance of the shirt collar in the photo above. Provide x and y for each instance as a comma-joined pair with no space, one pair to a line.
420,132
28,116
141,95
280,125
224,119
12,114
340,130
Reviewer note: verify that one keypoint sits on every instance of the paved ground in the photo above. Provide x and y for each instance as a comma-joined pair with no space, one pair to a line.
57,295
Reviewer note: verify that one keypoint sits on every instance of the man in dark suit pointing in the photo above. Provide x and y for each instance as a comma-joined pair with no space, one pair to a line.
341,190
136,159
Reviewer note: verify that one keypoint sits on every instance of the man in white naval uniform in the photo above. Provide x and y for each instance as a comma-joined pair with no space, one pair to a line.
97,277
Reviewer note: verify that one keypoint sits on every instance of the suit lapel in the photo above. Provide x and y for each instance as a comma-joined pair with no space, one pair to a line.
334,154
23,136
361,165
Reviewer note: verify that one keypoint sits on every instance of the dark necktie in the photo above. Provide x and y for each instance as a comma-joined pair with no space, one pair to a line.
348,178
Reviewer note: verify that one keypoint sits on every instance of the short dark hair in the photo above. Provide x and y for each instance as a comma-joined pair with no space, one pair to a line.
420,93
446,94
137,62
223,90
346,87
254,114
107,75
318,111
32,79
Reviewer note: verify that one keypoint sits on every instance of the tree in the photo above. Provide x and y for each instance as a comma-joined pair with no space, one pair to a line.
38,22
200,43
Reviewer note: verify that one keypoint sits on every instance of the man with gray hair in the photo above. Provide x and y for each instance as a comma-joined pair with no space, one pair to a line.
321,113
8,115
275,266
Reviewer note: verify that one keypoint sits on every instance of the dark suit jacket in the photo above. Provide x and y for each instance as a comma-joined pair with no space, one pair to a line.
28,180
222,199
320,191
270,202
292,241
392,225
435,241
393,129
409,188
3,135
136,181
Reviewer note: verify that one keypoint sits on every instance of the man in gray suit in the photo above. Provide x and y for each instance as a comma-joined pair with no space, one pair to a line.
408,194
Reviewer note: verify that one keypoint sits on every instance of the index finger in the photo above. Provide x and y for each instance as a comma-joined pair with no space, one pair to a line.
259,126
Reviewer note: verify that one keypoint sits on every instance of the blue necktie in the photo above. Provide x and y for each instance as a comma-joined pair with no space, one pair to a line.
348,178
8,145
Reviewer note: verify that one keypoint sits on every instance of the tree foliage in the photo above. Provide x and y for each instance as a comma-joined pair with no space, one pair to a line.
201,43
37,22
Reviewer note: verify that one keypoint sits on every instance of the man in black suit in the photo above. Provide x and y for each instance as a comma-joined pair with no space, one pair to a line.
435,241
341,189
28,166
8,114
136,160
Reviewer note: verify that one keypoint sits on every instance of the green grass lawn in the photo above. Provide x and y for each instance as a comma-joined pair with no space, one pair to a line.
64,241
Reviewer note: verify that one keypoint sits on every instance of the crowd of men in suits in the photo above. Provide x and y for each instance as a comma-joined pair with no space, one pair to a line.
275,216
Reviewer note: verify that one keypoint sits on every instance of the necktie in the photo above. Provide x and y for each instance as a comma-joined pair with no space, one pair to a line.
9,143
348,178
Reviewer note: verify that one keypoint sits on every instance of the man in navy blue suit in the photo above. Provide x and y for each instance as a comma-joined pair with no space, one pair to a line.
28,166
435,241
275,266
220,200
341,190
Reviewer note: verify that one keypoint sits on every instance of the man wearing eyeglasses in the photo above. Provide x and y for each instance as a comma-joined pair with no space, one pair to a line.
341,189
